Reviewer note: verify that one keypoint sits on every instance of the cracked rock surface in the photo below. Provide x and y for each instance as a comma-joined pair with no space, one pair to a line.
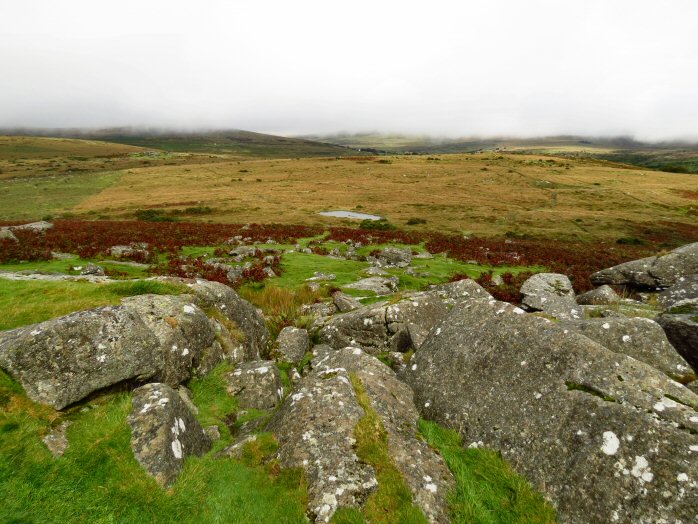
607,438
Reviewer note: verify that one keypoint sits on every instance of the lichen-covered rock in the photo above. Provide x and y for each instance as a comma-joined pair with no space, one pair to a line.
683,293
640,338
56,440
682,332
256,384
551,293
344,302
93,269
606,437
652,272
394,257
315,430
601,296
399,326
421,467
38,227
61,361
379,285
247,318
6,234
183,331
293,344
319,309
164,432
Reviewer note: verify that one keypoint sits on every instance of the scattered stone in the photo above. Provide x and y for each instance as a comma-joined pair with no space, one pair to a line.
243,251
164,432
56,440
345,302
640,338
379,285
551,293
293,344
318,277
93,269
213,432
652,272
61,256
319,309
424,256
256,385
603,435
375,271
130,250
601,296
269,272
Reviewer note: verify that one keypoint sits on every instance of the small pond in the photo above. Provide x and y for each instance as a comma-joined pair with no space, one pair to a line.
350,214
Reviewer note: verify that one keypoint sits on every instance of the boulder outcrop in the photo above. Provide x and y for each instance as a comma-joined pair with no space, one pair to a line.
551,293
63,360
652,272
315,429
399,326
606,437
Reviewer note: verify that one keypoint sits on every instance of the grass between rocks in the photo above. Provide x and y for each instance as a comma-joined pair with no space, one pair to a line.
99,480
392,500
26,302
66,266
487,491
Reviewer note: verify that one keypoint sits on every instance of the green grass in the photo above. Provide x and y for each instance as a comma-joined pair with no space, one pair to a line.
299,266
31,198
392,500
487,490
28,302
99,480
64,266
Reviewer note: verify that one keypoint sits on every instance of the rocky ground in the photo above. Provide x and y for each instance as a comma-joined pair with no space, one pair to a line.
595,406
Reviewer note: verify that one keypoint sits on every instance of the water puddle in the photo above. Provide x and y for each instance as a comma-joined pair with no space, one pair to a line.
350,214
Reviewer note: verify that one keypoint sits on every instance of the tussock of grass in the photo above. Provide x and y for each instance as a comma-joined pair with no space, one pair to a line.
99,480
487,490
392,500
29,302
281,306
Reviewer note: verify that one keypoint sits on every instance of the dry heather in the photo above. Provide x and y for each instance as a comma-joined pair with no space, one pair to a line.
483,194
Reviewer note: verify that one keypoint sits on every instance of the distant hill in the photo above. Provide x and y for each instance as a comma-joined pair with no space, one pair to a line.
231,142
666,156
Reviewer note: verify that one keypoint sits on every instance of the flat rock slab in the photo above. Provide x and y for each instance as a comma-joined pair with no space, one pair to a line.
607,438
379,285
164,432
640,338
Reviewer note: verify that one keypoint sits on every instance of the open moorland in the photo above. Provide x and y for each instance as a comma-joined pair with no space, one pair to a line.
168,270
475,194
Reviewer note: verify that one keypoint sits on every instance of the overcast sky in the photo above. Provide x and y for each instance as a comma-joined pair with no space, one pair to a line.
458,68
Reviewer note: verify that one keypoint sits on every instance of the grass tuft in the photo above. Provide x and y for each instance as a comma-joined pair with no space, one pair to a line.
487,490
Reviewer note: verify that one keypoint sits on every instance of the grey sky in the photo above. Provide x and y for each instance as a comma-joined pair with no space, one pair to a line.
484,67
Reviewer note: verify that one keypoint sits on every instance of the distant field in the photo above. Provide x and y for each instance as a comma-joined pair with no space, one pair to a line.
491,193
482,194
